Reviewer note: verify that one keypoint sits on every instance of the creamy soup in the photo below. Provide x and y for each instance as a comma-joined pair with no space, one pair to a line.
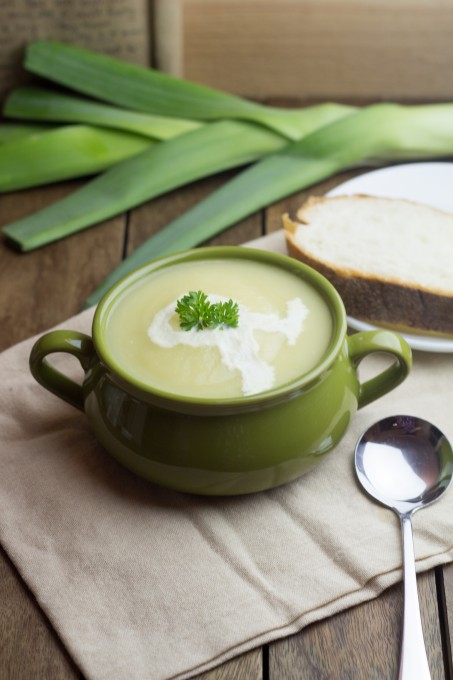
283,330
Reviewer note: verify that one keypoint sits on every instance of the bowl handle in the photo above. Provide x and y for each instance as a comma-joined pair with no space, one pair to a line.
71,342
365,343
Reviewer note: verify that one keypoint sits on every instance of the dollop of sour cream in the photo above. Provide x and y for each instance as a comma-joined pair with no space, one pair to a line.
238,348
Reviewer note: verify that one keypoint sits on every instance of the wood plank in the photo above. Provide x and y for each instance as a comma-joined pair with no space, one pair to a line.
347,645
432,630
63,274
38,290
447,596
362,642
143,223
29,648
44,287
248,666
153,216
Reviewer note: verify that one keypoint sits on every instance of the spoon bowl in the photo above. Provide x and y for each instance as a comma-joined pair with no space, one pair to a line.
406,463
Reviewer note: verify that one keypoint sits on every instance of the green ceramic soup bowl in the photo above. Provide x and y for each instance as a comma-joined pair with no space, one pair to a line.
221,446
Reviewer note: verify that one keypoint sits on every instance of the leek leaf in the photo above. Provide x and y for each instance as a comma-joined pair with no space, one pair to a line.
380,133
10,132
150,91
38,103
165,166
64,153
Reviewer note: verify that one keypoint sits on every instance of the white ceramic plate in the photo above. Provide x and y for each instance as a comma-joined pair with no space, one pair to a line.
429,183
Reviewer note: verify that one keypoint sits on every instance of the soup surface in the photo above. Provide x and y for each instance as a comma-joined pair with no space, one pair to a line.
283,331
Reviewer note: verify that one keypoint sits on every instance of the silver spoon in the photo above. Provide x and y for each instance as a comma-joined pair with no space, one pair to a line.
406,463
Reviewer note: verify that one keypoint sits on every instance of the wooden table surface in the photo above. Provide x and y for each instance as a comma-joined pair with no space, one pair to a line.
49,285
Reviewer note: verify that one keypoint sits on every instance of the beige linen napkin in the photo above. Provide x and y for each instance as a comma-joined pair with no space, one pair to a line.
145,583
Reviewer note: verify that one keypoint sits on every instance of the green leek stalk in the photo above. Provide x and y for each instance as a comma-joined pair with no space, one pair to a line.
150,91
38,103
166,165
377,134
64,153
10,132
204,151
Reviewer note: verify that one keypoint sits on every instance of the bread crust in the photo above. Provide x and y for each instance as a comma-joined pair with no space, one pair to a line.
382,302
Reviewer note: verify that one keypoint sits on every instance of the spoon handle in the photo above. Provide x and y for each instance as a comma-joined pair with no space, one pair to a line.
413,660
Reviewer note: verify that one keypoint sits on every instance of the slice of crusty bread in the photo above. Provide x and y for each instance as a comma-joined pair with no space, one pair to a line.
391,260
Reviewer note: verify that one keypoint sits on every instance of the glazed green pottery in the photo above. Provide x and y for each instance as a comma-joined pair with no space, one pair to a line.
222,446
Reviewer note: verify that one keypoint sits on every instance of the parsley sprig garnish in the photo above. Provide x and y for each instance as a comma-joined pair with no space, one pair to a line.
195,311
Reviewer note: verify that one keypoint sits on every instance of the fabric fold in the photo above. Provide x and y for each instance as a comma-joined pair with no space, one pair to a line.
147,583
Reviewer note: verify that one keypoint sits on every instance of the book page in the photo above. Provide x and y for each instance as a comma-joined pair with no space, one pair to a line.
120,28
